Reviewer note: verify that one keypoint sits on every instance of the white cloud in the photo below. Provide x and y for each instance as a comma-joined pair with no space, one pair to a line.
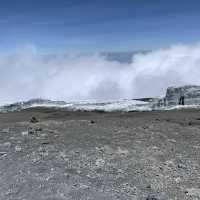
27,74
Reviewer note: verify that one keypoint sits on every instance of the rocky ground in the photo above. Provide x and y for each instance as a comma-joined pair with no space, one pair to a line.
99,156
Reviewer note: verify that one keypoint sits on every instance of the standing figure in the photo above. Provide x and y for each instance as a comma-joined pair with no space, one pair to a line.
182,100
165,101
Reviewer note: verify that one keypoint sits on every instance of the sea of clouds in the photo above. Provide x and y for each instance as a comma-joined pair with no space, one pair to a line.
27,74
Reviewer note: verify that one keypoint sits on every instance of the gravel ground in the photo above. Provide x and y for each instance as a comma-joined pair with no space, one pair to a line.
100,156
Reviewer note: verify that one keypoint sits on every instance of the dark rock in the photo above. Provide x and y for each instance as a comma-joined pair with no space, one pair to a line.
151,197
181,166
46,143
31,130
145,127
190,123
92,121
38,129
34,120
159,196
148,186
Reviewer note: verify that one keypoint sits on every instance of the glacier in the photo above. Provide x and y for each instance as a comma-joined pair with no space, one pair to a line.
170,101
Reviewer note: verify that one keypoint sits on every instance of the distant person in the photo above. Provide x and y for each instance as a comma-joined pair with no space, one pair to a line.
165,101
182,100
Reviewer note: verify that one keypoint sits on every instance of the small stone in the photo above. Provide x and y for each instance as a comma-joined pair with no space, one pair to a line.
75,185
181,166
100,162
34,120
46,143
30,130
84,187
3,154
43,135
149,186
38,129
25,133
145,127
18,148
67,175
195,192
123,152
160,196
190,123
151,198
120,171
177,180
6,130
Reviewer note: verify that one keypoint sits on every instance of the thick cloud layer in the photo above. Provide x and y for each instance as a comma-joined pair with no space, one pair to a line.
27,74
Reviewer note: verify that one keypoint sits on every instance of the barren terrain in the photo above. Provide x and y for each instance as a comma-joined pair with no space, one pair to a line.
99,156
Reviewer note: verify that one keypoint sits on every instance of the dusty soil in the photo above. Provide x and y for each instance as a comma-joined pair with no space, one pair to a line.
100,156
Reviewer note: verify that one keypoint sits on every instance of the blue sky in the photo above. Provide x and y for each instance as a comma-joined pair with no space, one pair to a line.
98,25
